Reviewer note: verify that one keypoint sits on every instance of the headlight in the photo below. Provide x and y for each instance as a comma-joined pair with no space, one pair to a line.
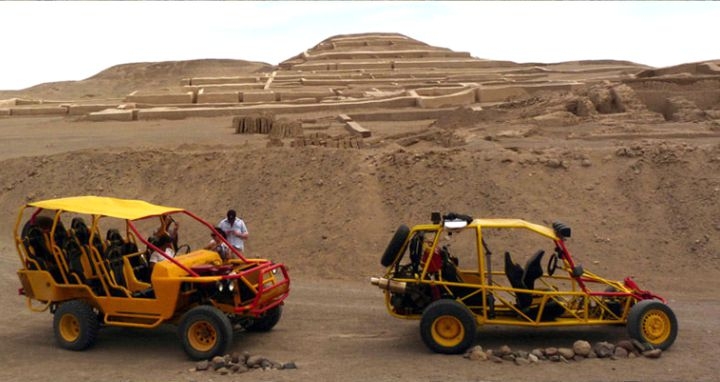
220,286
231,285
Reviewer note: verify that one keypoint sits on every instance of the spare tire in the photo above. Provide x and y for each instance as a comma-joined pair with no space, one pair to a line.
393,249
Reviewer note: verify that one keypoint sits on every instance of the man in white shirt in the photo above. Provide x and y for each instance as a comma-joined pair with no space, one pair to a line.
235,230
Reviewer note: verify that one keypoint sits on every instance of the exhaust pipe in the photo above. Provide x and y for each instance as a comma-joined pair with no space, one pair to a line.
391,285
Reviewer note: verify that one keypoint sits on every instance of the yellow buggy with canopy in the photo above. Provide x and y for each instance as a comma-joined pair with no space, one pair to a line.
86,260
446,275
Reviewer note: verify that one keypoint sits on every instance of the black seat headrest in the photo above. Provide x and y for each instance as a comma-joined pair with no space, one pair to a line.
533,269
513,271
113,236
80,229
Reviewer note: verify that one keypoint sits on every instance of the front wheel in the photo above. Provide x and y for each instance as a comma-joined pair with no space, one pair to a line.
652,322
447,327
75,325
205,332
265,322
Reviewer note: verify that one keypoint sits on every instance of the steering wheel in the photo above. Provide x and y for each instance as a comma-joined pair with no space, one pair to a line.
552,264
184,246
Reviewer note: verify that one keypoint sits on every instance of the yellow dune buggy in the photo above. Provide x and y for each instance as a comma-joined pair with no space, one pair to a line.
100,261
446,275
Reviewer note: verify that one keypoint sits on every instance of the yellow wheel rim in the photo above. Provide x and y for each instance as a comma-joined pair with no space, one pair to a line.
69,328
656,327
202,336
447,331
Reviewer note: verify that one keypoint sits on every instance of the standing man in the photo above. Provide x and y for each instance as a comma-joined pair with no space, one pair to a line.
235,230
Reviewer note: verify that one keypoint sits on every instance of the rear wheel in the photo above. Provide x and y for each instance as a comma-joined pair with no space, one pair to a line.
652,322
447,327
393,249
76,325
266,322
205,332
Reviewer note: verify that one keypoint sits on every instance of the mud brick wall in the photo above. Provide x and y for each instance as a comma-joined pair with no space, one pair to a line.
221,80
449,64
356,129
654,93
253,124
39,110
114,115
465,97
267,96
74,109
225,88
161,99
232,97
317,95
499,94
325,140
286,128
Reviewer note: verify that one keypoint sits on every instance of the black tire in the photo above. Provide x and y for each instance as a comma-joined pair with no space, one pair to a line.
653,323
393,249
447,327
266,322
75,325
205,332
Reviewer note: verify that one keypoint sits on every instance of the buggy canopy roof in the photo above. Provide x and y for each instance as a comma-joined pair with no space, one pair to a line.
517,223
106,206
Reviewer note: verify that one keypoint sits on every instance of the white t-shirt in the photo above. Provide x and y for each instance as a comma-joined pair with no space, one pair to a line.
156,257
230,230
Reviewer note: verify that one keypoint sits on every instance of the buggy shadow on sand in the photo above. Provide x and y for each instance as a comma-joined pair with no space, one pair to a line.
453,287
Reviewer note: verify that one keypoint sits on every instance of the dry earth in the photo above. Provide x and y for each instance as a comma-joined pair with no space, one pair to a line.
640,193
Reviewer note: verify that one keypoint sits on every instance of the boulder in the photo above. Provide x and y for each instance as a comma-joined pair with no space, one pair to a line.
582,348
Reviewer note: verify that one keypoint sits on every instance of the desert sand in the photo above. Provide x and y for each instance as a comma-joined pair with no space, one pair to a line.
632,164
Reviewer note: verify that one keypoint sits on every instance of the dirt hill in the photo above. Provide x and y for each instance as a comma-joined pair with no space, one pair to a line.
118,81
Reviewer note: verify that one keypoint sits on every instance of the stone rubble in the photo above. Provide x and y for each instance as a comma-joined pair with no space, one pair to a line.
580,350
237,363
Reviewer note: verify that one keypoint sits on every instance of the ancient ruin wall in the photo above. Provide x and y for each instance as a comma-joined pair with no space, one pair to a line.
703,92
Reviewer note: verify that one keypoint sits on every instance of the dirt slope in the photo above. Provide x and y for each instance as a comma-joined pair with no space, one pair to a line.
650,204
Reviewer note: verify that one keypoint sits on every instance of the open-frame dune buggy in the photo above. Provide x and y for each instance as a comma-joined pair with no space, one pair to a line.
453,291
95,272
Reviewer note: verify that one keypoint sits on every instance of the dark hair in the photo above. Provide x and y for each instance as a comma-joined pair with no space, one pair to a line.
163,239
231,213
222,233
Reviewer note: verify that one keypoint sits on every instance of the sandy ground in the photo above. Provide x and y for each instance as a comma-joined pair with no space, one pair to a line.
339,330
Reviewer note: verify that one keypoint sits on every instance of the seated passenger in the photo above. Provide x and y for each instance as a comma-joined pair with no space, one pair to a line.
164,242
170,227
219,246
